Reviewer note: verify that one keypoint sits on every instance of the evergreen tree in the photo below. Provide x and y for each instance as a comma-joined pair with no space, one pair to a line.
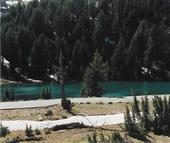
37,21
131,24
145,113
151,54
136,106
95,72
119,59
11,51
130,126
137,47
92,9
80,57
141,27
24,41
40,57
102,29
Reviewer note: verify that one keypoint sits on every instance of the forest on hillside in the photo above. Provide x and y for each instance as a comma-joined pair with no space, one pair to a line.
132,36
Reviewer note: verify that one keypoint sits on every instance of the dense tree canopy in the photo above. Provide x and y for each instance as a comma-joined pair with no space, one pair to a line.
131,35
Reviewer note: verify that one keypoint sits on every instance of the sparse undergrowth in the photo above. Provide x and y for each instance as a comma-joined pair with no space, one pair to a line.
114,138
3,131
142,120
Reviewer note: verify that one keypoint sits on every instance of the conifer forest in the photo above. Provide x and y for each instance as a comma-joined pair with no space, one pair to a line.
121,39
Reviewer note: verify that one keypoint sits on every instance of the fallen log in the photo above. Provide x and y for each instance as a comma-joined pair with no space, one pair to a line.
77,126
69,126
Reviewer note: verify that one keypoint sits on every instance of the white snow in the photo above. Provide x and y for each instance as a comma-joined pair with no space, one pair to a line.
5,62
86,120
46,103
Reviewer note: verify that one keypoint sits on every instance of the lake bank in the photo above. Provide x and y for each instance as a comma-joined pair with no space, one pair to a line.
51,102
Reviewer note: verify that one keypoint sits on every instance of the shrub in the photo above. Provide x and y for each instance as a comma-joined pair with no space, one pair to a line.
3,131
37,131
8,95
110,102
88,102
47,131
100,102
64,116
49,113
93,138
46,93
29,131
116,138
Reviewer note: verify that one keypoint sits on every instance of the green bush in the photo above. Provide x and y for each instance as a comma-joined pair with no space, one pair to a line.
93,138
157,121
64,116
46,93
29,131
37,131
47,131
115,138
3,131
8,95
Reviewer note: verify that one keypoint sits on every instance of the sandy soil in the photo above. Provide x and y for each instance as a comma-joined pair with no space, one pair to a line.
58,113
74,135
80,136
51,102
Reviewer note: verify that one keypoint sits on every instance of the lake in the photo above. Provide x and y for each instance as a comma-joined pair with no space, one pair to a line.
111,89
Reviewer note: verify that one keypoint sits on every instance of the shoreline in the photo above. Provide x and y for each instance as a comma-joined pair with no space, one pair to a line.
51,102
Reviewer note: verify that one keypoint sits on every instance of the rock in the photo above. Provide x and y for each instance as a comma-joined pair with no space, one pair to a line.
100,102
110,102
49,113
40,118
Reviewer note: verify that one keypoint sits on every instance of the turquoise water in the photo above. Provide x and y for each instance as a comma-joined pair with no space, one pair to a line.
111,89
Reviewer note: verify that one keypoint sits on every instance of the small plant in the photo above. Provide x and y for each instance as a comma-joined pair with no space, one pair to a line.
3,131
102,137
46,93
8,95
12,96
64,116
116,138
88,103
29,131
47,131
37,131
110,102
16,139
93,138
100,102
49,113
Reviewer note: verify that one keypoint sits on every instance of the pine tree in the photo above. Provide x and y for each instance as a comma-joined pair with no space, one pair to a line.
136,106
95,72
145,118
24,41
80,57
37,21
119,60
130,127
137,47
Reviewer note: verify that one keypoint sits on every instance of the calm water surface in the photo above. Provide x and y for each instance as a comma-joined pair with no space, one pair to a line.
111,89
